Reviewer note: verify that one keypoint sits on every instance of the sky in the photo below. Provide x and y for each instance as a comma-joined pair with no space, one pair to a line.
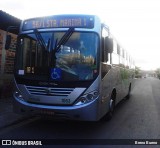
134,23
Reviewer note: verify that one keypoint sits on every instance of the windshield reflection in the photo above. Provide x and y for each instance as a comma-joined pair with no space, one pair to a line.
74,59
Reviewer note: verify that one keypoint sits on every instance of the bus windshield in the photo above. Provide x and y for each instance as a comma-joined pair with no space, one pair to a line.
58,56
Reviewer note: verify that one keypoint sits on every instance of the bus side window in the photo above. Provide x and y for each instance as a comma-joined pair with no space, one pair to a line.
120,57
123,53
118,49
124,57
127,64
115,56
103,54
104,51
109,49
109,61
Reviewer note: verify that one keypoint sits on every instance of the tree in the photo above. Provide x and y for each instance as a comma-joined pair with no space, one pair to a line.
138,72
158,72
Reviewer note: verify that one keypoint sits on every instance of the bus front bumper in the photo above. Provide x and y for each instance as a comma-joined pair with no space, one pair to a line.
85,112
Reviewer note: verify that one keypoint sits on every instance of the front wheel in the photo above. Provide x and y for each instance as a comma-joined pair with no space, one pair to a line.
109,115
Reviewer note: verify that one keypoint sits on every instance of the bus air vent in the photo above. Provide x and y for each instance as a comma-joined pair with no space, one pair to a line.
49,91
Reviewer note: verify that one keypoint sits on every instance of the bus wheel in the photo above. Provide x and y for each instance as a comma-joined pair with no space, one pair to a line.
129,92
111,106
109,115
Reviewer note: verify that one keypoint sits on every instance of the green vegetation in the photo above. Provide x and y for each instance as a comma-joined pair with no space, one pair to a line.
158,72
138,72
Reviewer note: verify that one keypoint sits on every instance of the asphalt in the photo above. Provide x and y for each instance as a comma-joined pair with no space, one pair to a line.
7,116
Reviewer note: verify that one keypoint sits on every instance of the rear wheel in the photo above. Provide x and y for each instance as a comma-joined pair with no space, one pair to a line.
129,92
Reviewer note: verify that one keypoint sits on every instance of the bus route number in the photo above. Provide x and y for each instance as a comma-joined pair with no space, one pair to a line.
66,101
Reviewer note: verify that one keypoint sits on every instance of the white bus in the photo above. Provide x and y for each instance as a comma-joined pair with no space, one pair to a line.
70,67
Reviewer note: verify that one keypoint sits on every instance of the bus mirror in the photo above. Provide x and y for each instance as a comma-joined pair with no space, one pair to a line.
109,45
8,42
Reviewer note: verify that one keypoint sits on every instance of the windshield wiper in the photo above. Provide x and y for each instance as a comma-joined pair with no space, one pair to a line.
57,46
40,39
64,39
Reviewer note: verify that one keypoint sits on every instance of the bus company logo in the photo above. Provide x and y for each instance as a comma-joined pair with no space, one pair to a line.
6,142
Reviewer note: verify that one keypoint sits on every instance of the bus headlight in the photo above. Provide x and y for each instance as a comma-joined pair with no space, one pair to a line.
18,95
86,98
90,97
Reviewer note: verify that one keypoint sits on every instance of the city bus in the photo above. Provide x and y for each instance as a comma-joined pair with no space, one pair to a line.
70,67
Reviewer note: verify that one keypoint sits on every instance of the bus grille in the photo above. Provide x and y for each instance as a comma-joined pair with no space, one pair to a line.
49,91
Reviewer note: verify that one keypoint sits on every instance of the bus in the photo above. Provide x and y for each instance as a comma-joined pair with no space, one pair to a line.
70,67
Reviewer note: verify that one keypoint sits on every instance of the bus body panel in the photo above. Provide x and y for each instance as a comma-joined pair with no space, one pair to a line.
114,80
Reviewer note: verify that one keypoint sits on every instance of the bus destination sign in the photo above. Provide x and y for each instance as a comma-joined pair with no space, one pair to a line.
79,21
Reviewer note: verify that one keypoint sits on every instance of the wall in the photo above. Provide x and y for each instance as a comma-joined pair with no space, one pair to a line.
6,65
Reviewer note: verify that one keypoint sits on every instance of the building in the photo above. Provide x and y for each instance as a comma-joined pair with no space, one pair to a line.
7,56
148,73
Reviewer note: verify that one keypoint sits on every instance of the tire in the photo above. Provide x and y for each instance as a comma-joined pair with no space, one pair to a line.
109,115
129,92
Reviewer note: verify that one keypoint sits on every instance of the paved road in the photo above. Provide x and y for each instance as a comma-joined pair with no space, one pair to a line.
136,118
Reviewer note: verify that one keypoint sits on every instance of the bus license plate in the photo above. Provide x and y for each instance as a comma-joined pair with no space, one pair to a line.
47,112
